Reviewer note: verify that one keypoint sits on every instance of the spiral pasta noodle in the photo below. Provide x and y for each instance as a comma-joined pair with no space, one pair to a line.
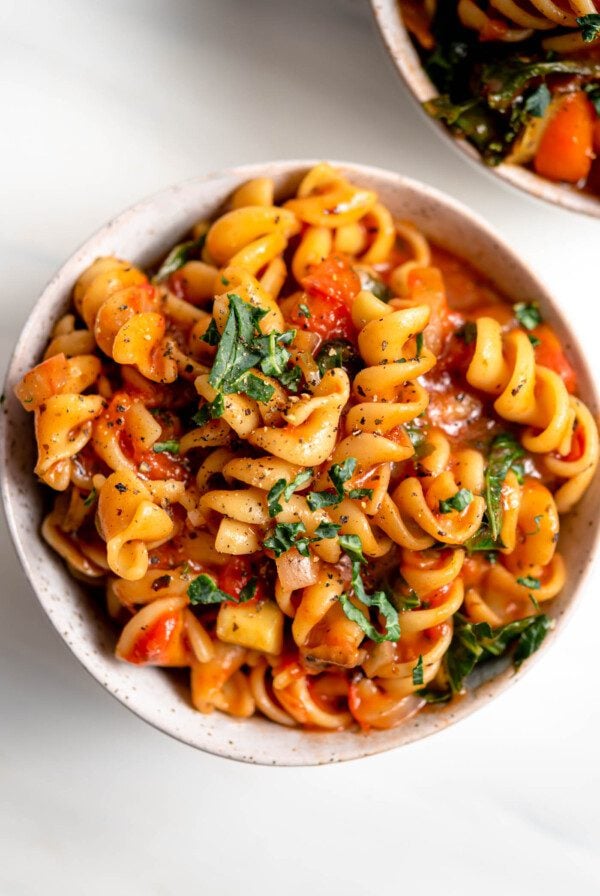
298,471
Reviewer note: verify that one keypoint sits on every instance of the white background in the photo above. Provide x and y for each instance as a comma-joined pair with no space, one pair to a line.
103,102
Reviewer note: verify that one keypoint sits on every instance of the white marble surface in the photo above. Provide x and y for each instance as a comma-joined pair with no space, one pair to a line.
104,102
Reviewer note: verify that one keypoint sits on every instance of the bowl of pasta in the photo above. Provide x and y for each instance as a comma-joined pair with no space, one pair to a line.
513,84
298,459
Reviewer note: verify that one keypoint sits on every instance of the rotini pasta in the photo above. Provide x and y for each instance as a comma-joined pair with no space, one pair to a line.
538,107
301,469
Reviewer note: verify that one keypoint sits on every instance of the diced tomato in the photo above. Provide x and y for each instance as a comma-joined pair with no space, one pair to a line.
457,354
565,151
577,445
237,573
333,278
549,353
427,288
153,465
154,644
329,318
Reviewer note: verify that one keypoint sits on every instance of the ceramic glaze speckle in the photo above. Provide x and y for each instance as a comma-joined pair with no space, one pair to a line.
406,60
141,234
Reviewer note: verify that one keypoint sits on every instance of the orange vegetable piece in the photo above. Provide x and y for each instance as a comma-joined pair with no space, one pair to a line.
549,353
566,148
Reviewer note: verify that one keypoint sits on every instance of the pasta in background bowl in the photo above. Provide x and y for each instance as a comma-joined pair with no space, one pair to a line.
227,462
537,141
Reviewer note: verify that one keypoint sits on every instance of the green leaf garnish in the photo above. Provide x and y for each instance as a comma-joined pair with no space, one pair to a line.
171,445
360,493
178,256
419,345
90,498
468,332
284,536
352,545
338,353
326,530
287,489
339,475
291,377
590,26
458,502
248,592
530,582
538,101
380,601
417,672
304,310
528,315
474,642
505,454
211,335
256,388
374,284
203,590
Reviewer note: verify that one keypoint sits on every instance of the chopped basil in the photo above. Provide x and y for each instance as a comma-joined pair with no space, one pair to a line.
474,642
338,353
304,310
410,601
593,92
417,672
210,411
529,582
419,345
503,81
528,315
287,489
360,493
171,445
538,101
90,498
534,340
468,332
505,454
236,353
248,591
374,284
256,388
339,475
203,590
326,530
590,26
178,256
284,537
380,601
458,502
291,377
275,356
211,335
352,545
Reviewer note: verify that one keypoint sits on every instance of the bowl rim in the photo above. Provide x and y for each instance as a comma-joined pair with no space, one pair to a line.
361,745
406,61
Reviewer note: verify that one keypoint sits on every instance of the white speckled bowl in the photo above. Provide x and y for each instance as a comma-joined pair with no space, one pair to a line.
141,234
406,60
